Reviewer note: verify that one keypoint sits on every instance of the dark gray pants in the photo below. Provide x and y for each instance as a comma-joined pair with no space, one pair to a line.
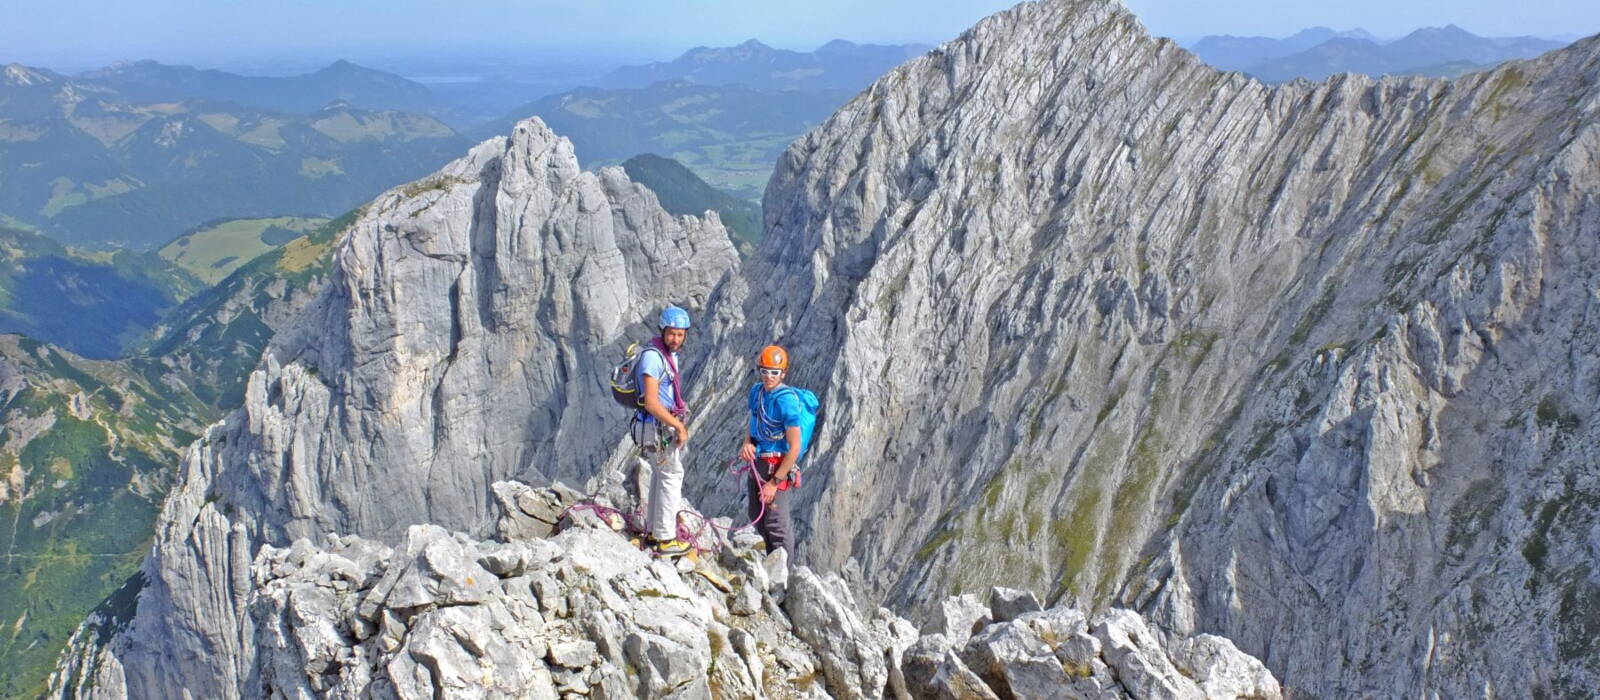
776,528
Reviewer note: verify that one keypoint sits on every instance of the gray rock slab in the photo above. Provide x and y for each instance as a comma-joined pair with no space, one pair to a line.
1007,604
853,666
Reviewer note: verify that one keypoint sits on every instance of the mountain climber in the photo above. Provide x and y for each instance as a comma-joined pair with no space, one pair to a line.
781,420
658,428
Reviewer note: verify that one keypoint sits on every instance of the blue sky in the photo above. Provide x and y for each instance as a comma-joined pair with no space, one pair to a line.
174,29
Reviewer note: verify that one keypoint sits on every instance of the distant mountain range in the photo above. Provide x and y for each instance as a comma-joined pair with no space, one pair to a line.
92,166
836,65
726,113
146,82
1242,53
132,154
730,135
1319,52
1442,52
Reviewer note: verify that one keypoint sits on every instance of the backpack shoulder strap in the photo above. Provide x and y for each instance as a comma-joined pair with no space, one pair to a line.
775,394
678,407
665,358
802,395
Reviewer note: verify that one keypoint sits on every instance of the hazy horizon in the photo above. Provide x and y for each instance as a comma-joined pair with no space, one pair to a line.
301,35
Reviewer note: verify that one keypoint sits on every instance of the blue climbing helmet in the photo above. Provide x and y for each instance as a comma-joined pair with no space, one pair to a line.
674,317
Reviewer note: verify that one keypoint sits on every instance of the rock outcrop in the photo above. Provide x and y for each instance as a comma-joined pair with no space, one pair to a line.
458,342
1307,367
586,613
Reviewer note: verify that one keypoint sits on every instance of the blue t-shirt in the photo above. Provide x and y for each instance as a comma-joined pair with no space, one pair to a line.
781,410
651,364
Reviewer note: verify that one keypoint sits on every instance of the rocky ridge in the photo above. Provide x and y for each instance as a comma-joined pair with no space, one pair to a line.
466,302
536,613
1305,366
1087,317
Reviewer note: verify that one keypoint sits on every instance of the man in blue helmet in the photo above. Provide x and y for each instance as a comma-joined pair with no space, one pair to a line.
659,429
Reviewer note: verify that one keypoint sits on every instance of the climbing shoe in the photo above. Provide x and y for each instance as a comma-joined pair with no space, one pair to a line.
672,548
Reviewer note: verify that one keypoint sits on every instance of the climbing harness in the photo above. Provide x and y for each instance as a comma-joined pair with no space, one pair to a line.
664,437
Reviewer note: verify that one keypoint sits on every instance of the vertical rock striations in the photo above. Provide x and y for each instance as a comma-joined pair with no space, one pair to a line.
461,340
1307,366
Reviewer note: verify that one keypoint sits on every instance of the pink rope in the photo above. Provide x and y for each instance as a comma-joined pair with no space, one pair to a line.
692,536
633,522
736,467
629,520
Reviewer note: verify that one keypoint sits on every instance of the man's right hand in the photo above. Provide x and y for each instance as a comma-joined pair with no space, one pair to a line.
682,432
747,452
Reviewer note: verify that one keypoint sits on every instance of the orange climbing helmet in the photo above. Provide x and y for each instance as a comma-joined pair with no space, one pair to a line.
774,357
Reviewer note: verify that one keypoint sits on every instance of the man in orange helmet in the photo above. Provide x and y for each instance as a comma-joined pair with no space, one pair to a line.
781,419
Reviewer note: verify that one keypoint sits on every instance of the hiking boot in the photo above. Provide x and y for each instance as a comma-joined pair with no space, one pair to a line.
672,548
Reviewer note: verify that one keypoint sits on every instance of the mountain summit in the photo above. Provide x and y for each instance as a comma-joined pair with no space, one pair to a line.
18,75
149,81
1301,366
1265,362
1318,53
541,261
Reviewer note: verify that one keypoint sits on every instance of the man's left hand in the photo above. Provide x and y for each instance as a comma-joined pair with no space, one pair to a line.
769,491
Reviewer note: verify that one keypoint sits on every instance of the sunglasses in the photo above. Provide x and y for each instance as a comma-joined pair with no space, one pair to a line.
774,373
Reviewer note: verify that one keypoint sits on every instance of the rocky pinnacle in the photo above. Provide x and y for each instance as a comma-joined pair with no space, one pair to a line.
459,341
1309,367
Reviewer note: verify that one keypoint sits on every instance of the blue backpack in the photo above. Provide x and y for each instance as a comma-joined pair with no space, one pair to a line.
771,428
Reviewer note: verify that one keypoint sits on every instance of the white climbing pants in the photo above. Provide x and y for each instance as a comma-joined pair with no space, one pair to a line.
660,484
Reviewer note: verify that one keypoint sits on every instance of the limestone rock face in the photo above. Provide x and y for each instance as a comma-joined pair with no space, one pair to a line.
1309,367
461,339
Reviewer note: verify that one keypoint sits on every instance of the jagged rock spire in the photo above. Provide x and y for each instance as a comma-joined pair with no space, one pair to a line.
468,315
1303,366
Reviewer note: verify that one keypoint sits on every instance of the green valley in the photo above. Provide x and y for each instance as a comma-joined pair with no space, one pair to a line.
86,454
88,448
213,339
214,251
151,82
91,303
